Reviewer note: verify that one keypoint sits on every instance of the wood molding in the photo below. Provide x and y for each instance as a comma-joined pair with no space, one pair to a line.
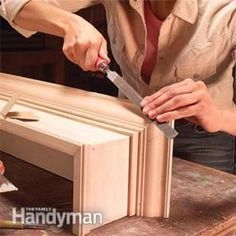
77,127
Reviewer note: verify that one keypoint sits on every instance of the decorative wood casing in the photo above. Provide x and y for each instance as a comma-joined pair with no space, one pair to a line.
119,162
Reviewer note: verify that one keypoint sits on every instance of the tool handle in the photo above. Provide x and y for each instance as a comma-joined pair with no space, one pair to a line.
5,224
101,65
2,168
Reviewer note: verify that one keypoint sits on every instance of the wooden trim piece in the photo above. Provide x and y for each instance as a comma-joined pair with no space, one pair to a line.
73,99
133,174
78,183
103,165
118,140
45,157
94,171
21,129
140,174
168,175
8,106
157,182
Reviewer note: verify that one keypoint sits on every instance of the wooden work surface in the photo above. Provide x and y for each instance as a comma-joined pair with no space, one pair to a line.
203,202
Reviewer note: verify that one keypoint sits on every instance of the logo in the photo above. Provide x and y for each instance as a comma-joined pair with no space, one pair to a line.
50,216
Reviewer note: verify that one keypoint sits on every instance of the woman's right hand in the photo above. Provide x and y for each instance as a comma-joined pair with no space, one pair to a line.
83,44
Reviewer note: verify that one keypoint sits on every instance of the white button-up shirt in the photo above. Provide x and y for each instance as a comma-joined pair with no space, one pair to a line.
196,41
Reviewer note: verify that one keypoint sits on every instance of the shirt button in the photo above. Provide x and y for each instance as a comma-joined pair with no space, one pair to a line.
134,3
142,46
196,76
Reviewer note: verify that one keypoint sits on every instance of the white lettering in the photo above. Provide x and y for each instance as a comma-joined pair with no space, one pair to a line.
15,216
55,218
60,218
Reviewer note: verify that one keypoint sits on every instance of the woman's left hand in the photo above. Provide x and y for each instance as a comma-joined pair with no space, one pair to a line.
187,99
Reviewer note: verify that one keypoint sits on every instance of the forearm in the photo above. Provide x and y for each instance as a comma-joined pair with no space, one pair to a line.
83,44
228,121
43,17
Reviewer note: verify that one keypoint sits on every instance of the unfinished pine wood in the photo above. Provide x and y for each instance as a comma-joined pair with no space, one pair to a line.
99,135
100,164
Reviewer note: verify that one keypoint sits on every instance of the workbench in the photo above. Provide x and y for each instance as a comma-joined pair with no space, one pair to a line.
203,202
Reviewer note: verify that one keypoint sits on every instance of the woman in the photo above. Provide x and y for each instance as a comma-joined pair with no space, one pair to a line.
183,49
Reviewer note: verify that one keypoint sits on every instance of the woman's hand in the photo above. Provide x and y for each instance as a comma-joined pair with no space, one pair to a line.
186,99
83,44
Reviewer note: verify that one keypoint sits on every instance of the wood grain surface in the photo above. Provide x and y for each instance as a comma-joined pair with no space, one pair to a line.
203,202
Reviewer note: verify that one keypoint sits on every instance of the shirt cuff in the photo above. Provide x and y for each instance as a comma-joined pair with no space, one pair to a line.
9,10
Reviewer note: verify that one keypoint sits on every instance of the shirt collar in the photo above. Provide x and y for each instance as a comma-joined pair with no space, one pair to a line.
187,10
136,4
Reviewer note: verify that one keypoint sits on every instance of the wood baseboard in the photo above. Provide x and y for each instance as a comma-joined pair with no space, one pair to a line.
85,137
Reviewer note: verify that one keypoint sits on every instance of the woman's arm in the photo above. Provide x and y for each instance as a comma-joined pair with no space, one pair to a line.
83,44
189,100
229,121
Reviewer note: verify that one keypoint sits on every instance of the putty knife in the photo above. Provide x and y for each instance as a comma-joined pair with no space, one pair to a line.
132,95
6,185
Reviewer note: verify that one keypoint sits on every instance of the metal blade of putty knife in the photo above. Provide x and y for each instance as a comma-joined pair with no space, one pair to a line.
134,97
6,185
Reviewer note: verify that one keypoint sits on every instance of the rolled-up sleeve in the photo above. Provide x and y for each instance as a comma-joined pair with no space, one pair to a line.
75,5
9,10
234,28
